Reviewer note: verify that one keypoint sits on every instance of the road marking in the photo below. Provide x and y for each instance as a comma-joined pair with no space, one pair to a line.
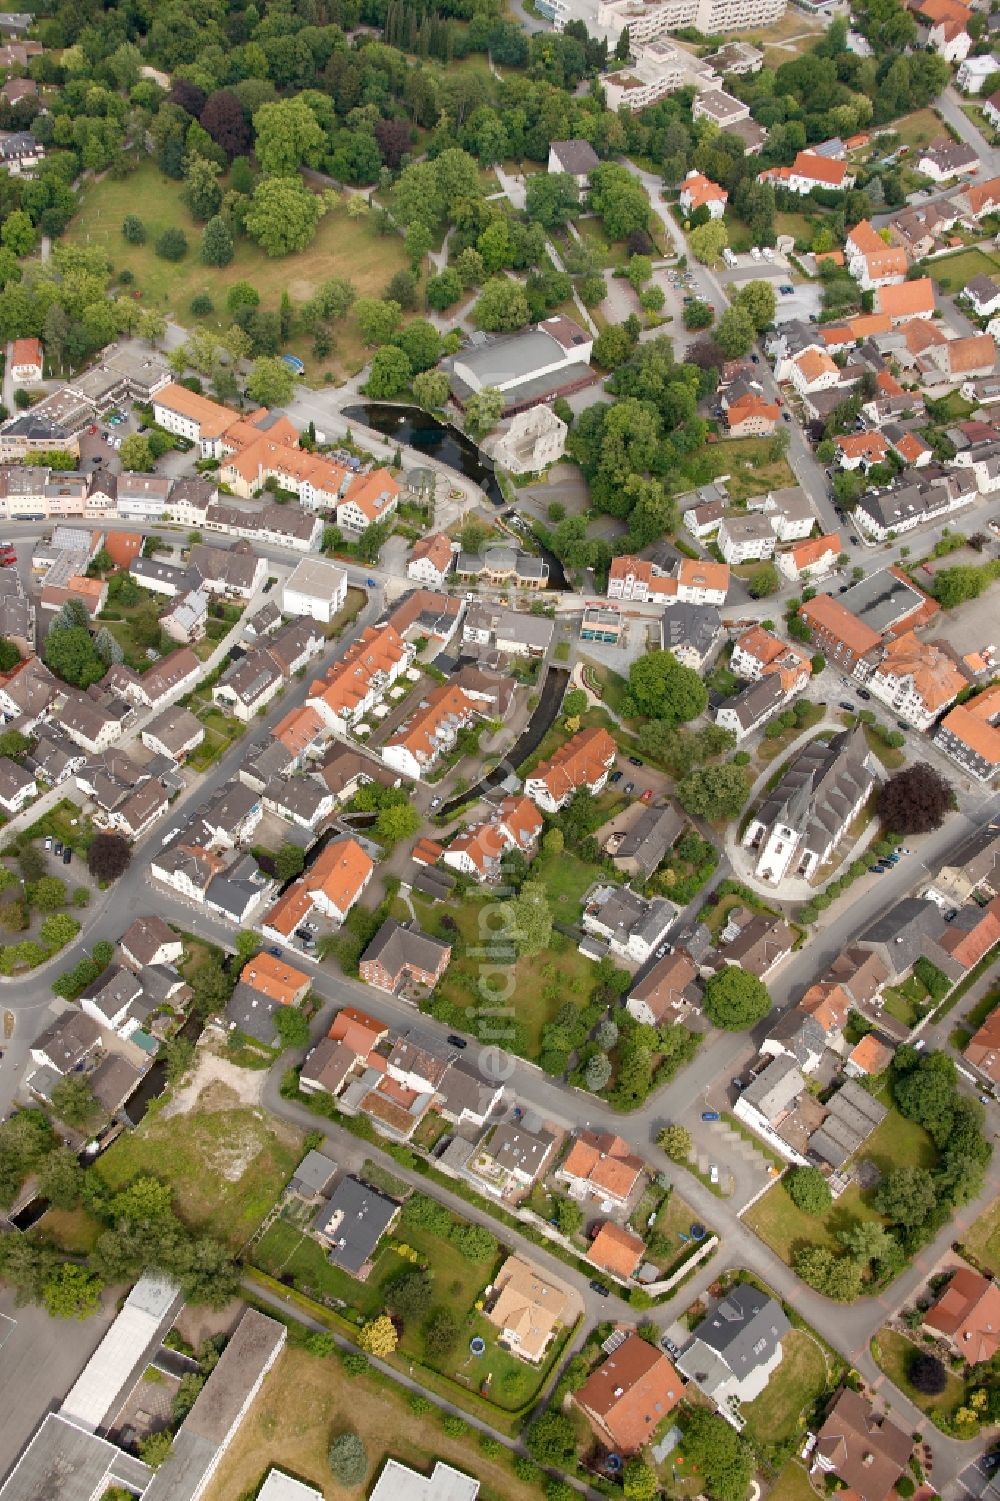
6,1328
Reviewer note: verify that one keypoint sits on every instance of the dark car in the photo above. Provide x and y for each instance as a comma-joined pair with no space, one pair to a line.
275,952
710,1115
901,724
876,870
67,855
600,1287
58,847
863,693
755,358
785,417
636,761
845,705
855,541
629,788
615,777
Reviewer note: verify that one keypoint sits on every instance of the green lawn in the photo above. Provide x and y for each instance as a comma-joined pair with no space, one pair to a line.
782,1408
983,1240
799,226
610,685
226,1163
953,272
898,1142
893,1353
792,1485
900,1006
74,1230
750,471
919,128
342,247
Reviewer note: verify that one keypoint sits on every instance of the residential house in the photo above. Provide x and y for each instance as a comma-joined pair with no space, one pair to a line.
698,191
616,1250
515,1156
751,709
66,1043
150,941
778,1106
871,260
431,559
369,499
809,170
910,299
692,633
964,359
187,618
526,1307
174,733
758,653
116,1000
432,731
664,993
599,1165
352,686
970,735
479,850
17,786
983,1048
869,1058
585,760
760,946
800,822
351,1224
346,770
303,800
974,71
632,926
945,159
314,588
746,539
627,1398
400,954
984,295
813,370
645,845
751,416
236,573
332,884
809,560
967,1313
510,631
861,450
27,362
575,157
736,1348
917,680
866,1451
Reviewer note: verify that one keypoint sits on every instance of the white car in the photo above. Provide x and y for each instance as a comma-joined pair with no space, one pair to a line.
755,252
713,1174
767,253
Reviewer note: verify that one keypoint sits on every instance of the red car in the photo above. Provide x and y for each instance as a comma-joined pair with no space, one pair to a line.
647,796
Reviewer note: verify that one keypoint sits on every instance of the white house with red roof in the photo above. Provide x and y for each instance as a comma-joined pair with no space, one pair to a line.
699,191
809,170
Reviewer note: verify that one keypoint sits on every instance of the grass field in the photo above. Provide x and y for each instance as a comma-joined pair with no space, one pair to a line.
750,471
306,1401
792,1485
919,128
799,226
342,247
897,1143
953,272
983,1240
74,1230
782,1407
225,1162
893,1353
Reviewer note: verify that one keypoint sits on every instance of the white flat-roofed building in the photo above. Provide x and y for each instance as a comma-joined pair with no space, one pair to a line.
398,1482
315,588
123,1351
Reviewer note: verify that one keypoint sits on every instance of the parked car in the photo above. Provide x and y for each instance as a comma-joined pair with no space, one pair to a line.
710,1115
600,1287
274,952
845,704
48,843
372,583
629,788
615,777
58,847
453,1040
67,856
876,870
855,540
636,761
863,693
785,417
713,1174
901,724
647,796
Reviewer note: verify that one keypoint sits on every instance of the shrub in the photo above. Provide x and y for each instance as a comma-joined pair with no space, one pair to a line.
927,1374
172,245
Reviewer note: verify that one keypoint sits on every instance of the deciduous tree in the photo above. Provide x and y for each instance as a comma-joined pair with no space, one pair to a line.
108,856
915,800
808,1190
735,999
270,382
283,215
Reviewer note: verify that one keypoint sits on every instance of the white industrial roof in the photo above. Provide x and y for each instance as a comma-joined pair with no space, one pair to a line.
280,1487
398,1482
120,1352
